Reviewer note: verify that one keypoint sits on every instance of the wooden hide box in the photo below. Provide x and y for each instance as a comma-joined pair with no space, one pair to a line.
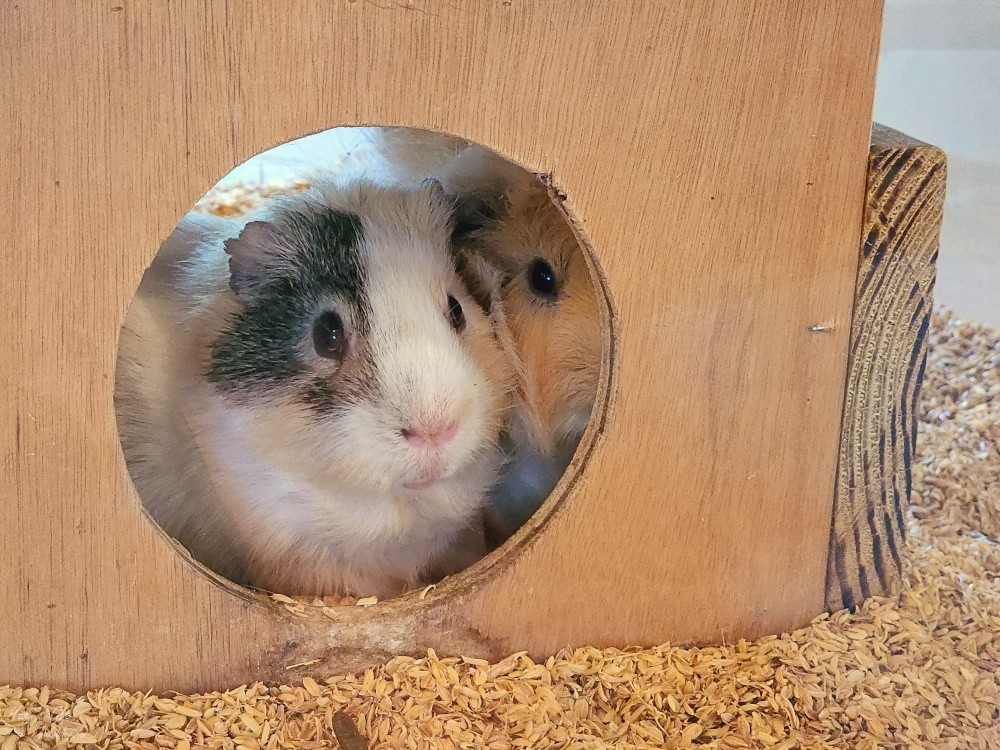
747,465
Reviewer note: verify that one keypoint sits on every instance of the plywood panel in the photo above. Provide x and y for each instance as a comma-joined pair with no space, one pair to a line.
713,154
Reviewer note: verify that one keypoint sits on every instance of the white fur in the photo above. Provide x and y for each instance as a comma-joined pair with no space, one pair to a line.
270,493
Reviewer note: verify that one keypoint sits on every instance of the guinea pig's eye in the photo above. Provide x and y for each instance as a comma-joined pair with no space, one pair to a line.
542,279
455,314
329,336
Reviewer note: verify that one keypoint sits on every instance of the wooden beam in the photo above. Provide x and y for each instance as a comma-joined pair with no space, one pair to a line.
894,296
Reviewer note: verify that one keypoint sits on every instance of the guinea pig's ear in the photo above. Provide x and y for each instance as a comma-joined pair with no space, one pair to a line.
469,211
472,212
436,188
464,220
482,279
253,255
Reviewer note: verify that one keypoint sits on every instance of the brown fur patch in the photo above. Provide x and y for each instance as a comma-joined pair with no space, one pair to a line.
558,340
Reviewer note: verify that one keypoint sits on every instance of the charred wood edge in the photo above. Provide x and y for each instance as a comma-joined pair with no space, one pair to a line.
893,301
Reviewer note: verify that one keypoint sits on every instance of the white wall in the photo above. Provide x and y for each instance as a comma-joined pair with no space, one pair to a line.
939,81
325,150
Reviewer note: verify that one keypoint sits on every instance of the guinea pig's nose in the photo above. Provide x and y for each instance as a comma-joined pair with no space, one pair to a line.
421,435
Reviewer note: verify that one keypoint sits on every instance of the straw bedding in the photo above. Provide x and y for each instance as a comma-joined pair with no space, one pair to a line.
921,674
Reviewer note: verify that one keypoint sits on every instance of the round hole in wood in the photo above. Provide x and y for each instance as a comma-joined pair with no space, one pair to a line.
255,369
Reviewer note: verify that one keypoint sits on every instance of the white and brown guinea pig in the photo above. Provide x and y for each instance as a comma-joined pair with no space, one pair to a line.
549,304
341,390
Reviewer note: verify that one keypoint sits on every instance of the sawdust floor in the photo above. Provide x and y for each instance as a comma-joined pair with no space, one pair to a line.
921,674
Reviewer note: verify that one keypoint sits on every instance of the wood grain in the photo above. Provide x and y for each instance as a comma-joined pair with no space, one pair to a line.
716,169
893,302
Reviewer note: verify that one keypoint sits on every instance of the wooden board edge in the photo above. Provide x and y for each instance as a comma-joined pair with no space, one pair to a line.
894,296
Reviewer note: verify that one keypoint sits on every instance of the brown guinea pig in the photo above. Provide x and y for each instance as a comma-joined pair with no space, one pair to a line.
550,306
550,310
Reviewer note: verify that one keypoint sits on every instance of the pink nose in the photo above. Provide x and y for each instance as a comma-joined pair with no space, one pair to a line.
424,436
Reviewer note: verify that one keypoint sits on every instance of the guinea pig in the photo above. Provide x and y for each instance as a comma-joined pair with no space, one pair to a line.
335,400
551,310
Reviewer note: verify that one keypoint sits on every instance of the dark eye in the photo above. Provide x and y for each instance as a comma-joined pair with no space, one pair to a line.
329,337
542,279
455,314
